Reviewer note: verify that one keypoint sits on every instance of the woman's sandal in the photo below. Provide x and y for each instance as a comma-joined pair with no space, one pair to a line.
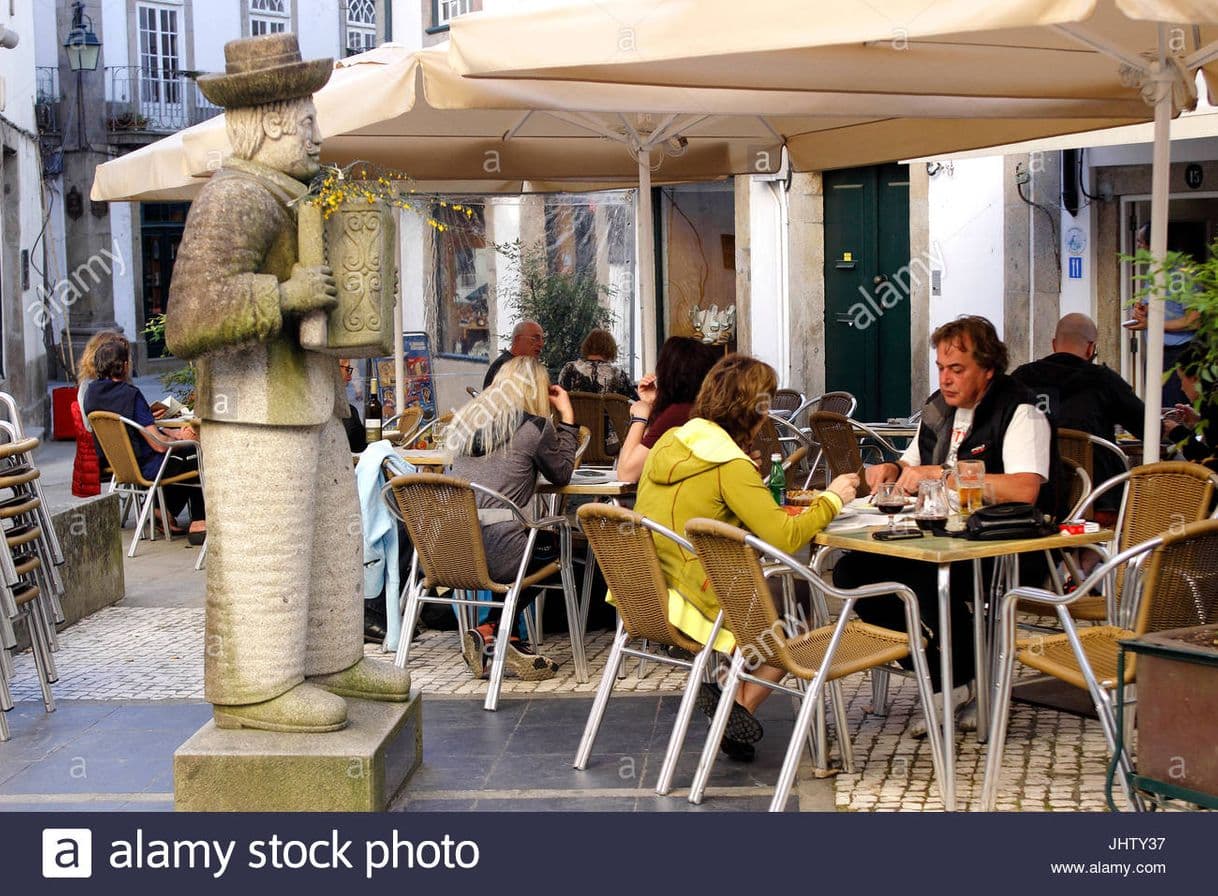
529,666
197,536
175,530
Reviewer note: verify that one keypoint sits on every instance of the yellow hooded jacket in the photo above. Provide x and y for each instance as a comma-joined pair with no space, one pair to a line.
697,470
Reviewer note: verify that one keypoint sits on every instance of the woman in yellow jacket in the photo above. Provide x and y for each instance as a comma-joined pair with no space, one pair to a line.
702,469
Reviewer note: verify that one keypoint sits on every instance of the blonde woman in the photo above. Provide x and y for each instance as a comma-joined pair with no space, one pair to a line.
502,440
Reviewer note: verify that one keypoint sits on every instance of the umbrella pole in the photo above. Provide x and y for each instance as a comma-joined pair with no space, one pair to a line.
399,359
1160,171
644,229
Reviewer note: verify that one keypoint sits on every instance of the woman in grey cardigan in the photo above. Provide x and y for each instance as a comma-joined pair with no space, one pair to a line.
502,440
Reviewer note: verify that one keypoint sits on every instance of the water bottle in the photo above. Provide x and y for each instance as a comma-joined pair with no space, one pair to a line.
777,480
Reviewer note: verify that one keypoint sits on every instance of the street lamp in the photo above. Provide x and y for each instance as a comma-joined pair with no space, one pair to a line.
82,45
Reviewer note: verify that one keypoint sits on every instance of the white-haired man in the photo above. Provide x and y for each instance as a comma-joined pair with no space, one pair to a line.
528,338
284,577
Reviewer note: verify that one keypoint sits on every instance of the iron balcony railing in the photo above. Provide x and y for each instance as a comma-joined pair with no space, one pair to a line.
139,100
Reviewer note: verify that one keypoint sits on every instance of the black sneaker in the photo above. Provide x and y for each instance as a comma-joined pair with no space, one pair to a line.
738,751
742,727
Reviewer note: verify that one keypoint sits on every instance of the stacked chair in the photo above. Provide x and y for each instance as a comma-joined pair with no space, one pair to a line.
32,585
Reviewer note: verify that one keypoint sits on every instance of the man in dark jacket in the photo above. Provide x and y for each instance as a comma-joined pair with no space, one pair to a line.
1080,394
528,338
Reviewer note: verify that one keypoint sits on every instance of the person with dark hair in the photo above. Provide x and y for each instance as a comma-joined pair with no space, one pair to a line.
1179,321
979,413
666,399
1180,425
595,370
702,469
112,391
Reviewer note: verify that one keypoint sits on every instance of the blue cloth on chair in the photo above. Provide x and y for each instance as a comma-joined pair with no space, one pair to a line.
380,534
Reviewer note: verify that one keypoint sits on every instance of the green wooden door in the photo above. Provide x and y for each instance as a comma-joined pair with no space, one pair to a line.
866,288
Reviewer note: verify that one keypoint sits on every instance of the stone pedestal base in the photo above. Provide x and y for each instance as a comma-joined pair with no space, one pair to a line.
358,769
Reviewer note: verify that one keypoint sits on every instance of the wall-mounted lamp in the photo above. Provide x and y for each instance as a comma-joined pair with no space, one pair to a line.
82,44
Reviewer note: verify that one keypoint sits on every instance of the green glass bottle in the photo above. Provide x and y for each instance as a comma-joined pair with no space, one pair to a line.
777,480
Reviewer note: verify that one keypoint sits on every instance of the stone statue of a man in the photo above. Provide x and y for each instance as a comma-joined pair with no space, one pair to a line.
284,568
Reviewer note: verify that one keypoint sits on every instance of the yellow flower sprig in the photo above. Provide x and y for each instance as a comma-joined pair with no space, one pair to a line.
359,181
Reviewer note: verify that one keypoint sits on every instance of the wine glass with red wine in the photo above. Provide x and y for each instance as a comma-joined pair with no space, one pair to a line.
889,498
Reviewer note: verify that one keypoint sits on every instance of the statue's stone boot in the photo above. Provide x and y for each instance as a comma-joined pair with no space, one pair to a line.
368,680
304,709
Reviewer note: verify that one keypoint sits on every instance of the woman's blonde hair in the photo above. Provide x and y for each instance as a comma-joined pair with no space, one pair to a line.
86,367
736,396
488,422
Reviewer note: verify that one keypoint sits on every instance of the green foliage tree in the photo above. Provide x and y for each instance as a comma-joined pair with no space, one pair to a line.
180,382
1194,284
567,305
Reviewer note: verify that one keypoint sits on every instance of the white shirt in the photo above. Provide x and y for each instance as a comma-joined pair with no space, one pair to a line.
1025,447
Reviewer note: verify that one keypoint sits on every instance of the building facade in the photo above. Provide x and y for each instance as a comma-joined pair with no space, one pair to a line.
23,367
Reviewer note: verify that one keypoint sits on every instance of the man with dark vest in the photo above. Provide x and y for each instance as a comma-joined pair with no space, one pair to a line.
979,413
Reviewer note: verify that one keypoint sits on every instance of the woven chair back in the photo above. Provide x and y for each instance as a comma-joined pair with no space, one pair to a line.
734,572
839,445
1180,580
626,553
114,436
1075,445
786,401
835,403
441,516
1079,482
1161,498
601,413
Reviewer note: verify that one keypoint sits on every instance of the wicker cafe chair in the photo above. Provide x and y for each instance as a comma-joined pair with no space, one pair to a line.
441,515
622,541
1080,447
824,654
129,480
834,403
401,427
1171,581
786,403
781,437
601,413
1158,497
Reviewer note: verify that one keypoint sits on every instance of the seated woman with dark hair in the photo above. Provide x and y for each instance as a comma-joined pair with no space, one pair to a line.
112,391
702,469
666,398
595,371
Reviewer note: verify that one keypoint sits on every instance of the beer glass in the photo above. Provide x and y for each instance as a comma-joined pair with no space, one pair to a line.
970,485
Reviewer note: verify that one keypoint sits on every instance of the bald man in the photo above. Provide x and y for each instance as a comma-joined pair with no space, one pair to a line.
528,338
1079,393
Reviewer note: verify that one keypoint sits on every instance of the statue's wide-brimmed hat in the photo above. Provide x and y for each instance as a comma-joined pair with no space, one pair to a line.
264,69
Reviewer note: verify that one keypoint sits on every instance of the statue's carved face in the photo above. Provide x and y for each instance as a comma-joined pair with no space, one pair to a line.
292,146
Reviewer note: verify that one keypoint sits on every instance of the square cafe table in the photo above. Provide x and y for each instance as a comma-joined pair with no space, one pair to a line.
943,551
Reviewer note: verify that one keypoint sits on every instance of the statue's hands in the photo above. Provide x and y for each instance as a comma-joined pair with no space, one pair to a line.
308,289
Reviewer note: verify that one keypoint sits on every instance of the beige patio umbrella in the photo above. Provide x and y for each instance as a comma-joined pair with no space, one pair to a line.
1085,50
409,110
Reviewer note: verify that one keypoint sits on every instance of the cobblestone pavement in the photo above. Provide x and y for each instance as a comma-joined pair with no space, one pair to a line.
1054,761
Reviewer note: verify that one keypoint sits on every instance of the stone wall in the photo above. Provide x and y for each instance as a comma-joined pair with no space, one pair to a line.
93,560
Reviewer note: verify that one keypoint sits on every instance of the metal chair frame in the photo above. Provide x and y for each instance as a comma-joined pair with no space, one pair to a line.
415,586
621,648
1134,559
133,484
810,694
